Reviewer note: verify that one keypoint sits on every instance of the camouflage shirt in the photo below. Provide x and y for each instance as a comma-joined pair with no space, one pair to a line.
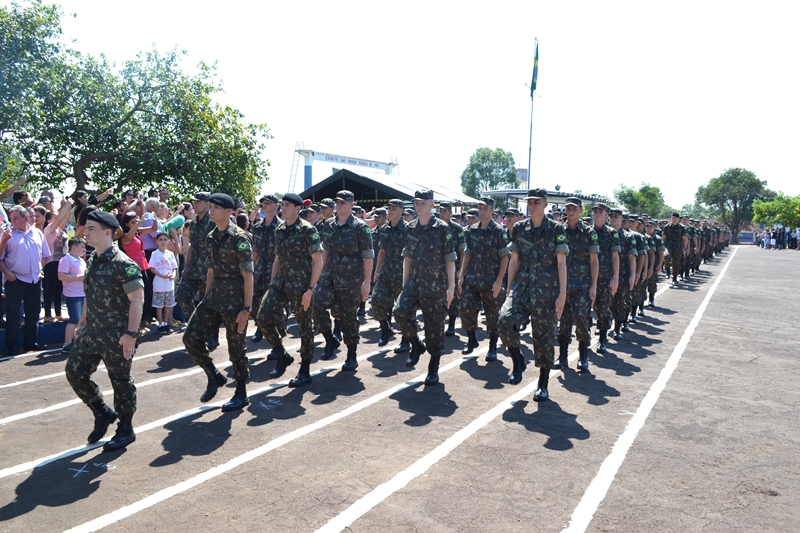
627,248
392,243
110,277
674,234
264,246
459,242
486,247
347,246
537,276
198,231
229,254
429,246
294,246
608,243
582,241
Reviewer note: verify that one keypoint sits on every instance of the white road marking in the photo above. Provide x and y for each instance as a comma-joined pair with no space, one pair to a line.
598,488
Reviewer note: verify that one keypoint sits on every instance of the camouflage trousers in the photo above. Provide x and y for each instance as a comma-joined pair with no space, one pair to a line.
88,350
652,284
602,304
203,323
259,291
639,294
452,311
576,312
345,307
433,314
674,262
184,296
621,306
544,326
385,294
271,319
471,300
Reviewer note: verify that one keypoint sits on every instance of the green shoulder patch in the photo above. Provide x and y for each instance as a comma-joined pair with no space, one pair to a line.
244,245
132,271
315,236
449,236
561,237
367,231
594,236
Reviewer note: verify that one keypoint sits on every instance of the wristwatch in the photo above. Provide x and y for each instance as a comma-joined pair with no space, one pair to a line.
311,288
246,308
134,334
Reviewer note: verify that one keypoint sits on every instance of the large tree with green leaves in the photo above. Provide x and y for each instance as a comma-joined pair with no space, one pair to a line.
647,199
782,209
699,211
733,193
489,170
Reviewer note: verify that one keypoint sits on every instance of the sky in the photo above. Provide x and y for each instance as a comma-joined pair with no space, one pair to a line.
665,93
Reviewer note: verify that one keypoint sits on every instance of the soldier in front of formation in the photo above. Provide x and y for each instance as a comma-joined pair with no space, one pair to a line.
388,275
677,244
445,214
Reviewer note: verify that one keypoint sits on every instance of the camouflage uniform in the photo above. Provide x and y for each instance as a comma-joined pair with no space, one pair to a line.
640,289
652,283
339,286
390,278
229,255
673,236
459,245
264,246
622,299
112,275
608,243
486,247
535,287
193,280
582,241
295,245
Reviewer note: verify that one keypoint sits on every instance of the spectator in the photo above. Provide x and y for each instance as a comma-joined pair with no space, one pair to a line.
131,243
71,269
164,267
13,189
163,195
56,237
22,198
22,261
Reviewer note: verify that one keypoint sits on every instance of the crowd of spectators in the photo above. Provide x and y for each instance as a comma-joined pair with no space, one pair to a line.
778,238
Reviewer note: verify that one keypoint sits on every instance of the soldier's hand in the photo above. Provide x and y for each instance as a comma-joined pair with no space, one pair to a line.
364,291
241,320
632,283
128,344
450,294
497,286
592,295
560,301
375,278
613,286
307,299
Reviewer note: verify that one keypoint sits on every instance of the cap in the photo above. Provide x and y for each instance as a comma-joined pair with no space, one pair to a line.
239,204
424,194
307,202
314,207
600,205
626,216
615,211
397,202
498,212
536,193
327,202
676,214
574,201
303,213
445,205
358,209
101,217
293,198
221,199
487,200
513,212
472,212
269,198
650,223
380,212
409,211
200,196
346,196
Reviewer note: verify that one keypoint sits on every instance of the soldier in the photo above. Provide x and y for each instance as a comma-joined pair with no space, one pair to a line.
537,287
428,283
607,271
379,217
345,282
295,271
657,246
480,279
512,217
582,271
107,330
388,275
409,215
472,216
686,260
677,243
264,255
193,280
445,212
326,206
228,300
637,294
627,272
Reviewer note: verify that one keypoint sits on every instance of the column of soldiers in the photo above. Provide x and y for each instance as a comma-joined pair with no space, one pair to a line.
535,271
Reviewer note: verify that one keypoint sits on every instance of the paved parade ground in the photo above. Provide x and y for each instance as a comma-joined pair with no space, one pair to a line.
688,423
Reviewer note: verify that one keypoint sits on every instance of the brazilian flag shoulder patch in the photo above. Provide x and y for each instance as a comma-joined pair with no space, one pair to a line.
449,236
594,236
562,237
132,271
315,236
244,245
367,231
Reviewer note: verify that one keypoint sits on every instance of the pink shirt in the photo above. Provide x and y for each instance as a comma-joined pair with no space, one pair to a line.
74,266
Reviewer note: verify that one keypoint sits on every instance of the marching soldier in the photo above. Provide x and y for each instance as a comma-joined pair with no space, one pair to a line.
264,254
637,294
607,271
677,243
445,212
627,272
388,275
657,248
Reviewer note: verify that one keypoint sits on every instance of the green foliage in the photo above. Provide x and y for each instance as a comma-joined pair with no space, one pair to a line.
699,211
733,193
647,199
782,209
489,170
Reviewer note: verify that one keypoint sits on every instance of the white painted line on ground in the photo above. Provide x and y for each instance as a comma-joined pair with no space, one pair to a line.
164,494
598,488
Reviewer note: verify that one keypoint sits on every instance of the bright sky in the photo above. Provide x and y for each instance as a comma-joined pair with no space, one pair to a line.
669,93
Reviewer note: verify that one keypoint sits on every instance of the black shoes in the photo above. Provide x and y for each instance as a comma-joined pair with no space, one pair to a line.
403,347
257,336
284,360
626,326
601,345
303,377
386,332
417,349
331,344
239,400
351,363
583,357
213,343
472,343
451,327
518,365
362,309
34,348
433,371
215,381
123,436
563,353
337,329
103,417
541,394
491,355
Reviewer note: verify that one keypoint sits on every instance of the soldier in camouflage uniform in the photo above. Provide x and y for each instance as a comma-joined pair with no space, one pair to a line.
294,274
480,279
445,212
228,300
388,275
345,281
428,283
537,287
641,267
582,271
658,248
263,254
627,272
607,271
107,331
379,217
688,258
677,243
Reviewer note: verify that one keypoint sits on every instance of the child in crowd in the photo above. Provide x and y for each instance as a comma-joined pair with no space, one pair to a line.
71,269
164,267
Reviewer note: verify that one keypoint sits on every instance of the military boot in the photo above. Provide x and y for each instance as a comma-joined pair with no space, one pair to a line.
641,309
451,327
213,342
491,355
633,315
284,360
386,332
583,356
403,347
351,363
541,394
601,345
257,336
563,354
240,399
303,377
652,301
123,436
433,371
103,417
626,326
617,334
337,329
472,343
417,349
331,343
215,381
518,365
362,309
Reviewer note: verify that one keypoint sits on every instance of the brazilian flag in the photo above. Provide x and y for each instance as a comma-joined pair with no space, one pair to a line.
535,69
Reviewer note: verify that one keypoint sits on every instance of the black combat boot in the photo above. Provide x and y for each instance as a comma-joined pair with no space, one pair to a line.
103,417
583,356
518,365
633,315
362,309
351,363
652,302
433,371
601,345
331,343
491,355
403,347
451,327
417,349
240,399
215,381
563,354
386,332
641,309
213,343
284,360
472,343
303,377
123,436
626,326
337,329
257,336
541,394
617,334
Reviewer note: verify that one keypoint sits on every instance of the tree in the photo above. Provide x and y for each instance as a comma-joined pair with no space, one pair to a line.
699,211
782,209
647,199
489,170
733,193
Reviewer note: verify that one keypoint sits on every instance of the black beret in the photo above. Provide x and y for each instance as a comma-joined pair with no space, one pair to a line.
101,217
293,198
221,199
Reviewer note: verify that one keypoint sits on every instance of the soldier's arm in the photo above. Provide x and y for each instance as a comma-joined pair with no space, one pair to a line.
465,261
135,309
513,267
450,268
562,283
276,266
209,279
379,266
406,269
594,268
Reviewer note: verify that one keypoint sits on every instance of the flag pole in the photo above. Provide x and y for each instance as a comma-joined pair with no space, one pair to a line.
533,89
530,144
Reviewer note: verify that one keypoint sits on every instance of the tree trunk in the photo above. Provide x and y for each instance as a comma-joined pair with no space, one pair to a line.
79,167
